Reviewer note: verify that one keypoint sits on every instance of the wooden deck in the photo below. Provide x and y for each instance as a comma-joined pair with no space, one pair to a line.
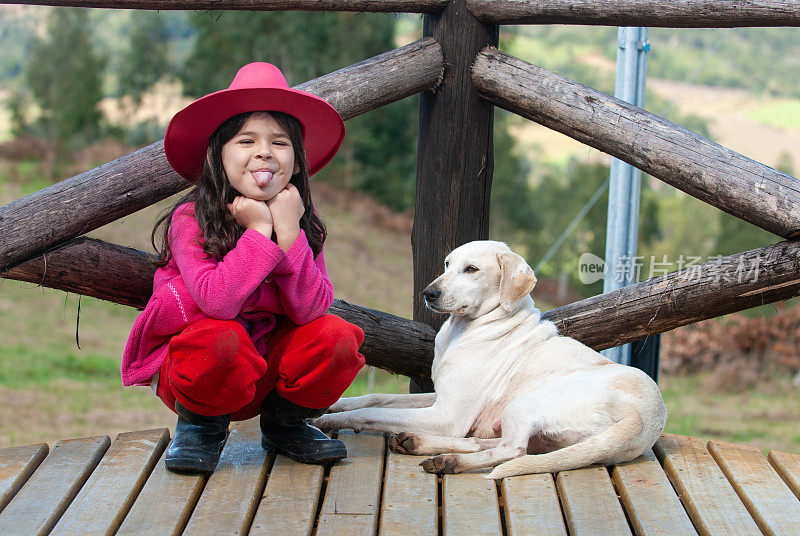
93,486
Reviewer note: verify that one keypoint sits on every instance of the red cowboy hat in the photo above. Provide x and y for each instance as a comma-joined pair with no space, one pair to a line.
257,86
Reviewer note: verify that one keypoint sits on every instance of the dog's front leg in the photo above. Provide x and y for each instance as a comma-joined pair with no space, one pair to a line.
433,420
417,445
383,400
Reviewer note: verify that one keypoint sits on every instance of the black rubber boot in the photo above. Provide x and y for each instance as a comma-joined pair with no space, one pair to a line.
284,429
197,443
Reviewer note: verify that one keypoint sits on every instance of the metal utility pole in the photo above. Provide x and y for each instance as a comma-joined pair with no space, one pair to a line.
622,229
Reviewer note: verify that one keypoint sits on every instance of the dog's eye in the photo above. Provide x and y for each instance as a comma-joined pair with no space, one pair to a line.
470,269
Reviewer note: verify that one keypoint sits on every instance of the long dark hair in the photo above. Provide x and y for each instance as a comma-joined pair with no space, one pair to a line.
213,193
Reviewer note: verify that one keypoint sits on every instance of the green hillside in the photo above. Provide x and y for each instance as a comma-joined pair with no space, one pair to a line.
762,60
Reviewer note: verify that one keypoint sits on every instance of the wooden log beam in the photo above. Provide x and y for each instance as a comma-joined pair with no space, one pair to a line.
92,267
720,286
75,206
95,268
380,6
714,288
671,14
454,156
80,204
714,174
381,80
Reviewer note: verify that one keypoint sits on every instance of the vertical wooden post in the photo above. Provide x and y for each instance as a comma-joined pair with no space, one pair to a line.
454,156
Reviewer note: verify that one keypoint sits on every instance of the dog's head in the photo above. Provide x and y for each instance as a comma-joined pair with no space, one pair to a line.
478,277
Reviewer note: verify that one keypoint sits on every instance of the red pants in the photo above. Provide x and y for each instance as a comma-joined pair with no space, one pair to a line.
213,368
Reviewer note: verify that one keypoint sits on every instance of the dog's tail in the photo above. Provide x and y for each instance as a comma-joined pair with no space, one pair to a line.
613,445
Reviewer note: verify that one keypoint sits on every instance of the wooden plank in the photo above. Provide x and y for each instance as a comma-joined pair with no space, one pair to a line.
49,491
17,464
652,506
590,502
709,499
164,504
532,507
672,14
289,503
234,489
382,79
788,466
409,504
351,499
771,503
470,505
92,267
108,495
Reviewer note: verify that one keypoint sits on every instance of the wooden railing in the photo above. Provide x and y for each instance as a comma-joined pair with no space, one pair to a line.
78,205
718,176
461,75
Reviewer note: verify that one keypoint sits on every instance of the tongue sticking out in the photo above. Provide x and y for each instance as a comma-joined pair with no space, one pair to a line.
262,178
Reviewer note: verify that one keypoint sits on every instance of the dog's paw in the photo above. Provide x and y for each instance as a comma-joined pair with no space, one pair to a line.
337,407
442,464
404,443
323,423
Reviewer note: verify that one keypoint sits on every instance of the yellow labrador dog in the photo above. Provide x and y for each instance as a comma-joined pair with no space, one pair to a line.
510,393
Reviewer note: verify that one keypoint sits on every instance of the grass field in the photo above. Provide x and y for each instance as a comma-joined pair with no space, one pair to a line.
781,113
766,417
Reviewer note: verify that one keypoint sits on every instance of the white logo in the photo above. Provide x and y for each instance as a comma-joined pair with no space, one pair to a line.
591,268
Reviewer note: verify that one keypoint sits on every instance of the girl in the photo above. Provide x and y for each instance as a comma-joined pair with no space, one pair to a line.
236,325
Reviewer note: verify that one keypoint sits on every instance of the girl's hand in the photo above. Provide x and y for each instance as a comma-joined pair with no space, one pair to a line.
286,209
252,214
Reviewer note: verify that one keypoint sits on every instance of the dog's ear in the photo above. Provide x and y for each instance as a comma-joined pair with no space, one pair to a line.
516,279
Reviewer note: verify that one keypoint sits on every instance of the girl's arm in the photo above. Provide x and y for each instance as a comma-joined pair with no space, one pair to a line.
304,290
220,288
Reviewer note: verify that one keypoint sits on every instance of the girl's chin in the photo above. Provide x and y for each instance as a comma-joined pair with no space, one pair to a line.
260,194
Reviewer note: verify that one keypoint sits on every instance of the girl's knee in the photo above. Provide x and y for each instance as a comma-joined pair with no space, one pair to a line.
340,341
210,350
316,372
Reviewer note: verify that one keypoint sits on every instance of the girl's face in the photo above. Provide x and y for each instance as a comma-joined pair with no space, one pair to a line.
259,160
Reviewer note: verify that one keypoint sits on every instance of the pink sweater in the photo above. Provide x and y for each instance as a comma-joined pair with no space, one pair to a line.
254,282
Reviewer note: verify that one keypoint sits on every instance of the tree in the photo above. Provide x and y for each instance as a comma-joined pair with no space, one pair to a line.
514,211
737,235
65,77
560,194
145,61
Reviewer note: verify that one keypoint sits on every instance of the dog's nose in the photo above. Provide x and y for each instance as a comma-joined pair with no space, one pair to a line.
431,294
